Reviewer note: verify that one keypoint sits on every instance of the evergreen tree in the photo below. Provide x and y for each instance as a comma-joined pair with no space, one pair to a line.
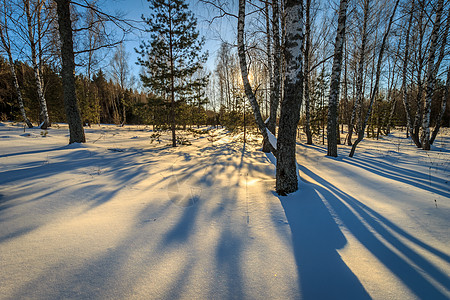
172,54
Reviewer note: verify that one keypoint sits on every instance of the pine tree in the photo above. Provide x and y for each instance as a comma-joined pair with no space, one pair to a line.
172,54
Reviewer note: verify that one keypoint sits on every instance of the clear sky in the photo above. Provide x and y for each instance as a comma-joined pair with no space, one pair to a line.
220,29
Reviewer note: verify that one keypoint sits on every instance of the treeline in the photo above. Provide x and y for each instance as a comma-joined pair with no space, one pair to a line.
101,100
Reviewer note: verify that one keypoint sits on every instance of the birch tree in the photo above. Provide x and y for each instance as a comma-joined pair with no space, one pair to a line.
245,78
275,85
30,15
374,91
445,97
357,109
286,181
307,71
404,88
431,77
6,45
333,100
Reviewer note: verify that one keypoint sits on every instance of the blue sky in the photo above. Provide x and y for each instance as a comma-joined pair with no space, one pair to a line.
220,29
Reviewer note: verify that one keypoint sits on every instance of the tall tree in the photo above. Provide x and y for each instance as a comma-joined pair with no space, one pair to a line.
76,131
374,92
245,78
121,71
445,97
31,13
431,77
286,181
275,79
6,45
172,55
333,100
357,109
307,75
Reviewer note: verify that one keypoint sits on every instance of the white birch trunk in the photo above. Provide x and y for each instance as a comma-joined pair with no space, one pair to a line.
431,78
286,173
374,92
37,76
244,73
443,108
6,45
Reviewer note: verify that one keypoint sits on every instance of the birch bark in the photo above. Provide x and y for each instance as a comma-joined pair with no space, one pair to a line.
286,172
37,76
374,92
431,78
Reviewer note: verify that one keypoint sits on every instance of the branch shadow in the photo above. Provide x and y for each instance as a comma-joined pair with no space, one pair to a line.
366,225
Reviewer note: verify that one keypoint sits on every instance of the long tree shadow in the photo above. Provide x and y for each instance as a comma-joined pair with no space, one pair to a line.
316,237
366,225
411,177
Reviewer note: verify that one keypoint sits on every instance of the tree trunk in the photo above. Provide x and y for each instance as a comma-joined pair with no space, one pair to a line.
244,73
6,44
306,76
43,104
431,78
374,92
443,107
269,122
357,109
67,73
333,100
404,88
172,83
286,181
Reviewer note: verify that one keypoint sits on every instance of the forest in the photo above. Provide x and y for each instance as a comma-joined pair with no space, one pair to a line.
211,149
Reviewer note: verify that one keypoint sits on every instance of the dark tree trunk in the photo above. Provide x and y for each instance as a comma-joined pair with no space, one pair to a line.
68,73
266,147
306,76
286,181
443,107
357,109
333,100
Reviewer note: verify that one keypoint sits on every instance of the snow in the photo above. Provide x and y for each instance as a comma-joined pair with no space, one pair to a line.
121,217
272,138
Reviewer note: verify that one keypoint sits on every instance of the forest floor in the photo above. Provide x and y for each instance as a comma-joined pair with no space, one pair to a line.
125,216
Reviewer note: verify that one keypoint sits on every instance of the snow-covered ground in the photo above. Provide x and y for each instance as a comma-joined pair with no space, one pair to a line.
125,217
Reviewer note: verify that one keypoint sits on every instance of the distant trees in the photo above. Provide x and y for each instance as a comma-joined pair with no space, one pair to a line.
172,54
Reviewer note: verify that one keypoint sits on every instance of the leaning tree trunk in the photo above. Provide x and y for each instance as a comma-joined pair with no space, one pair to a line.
286,181
5,41
404,89
436,68
431,78
443,107
374,92
37,76
67,73
333,100
244,73
356,113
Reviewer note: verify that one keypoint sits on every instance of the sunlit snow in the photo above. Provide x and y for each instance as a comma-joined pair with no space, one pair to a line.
125,217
